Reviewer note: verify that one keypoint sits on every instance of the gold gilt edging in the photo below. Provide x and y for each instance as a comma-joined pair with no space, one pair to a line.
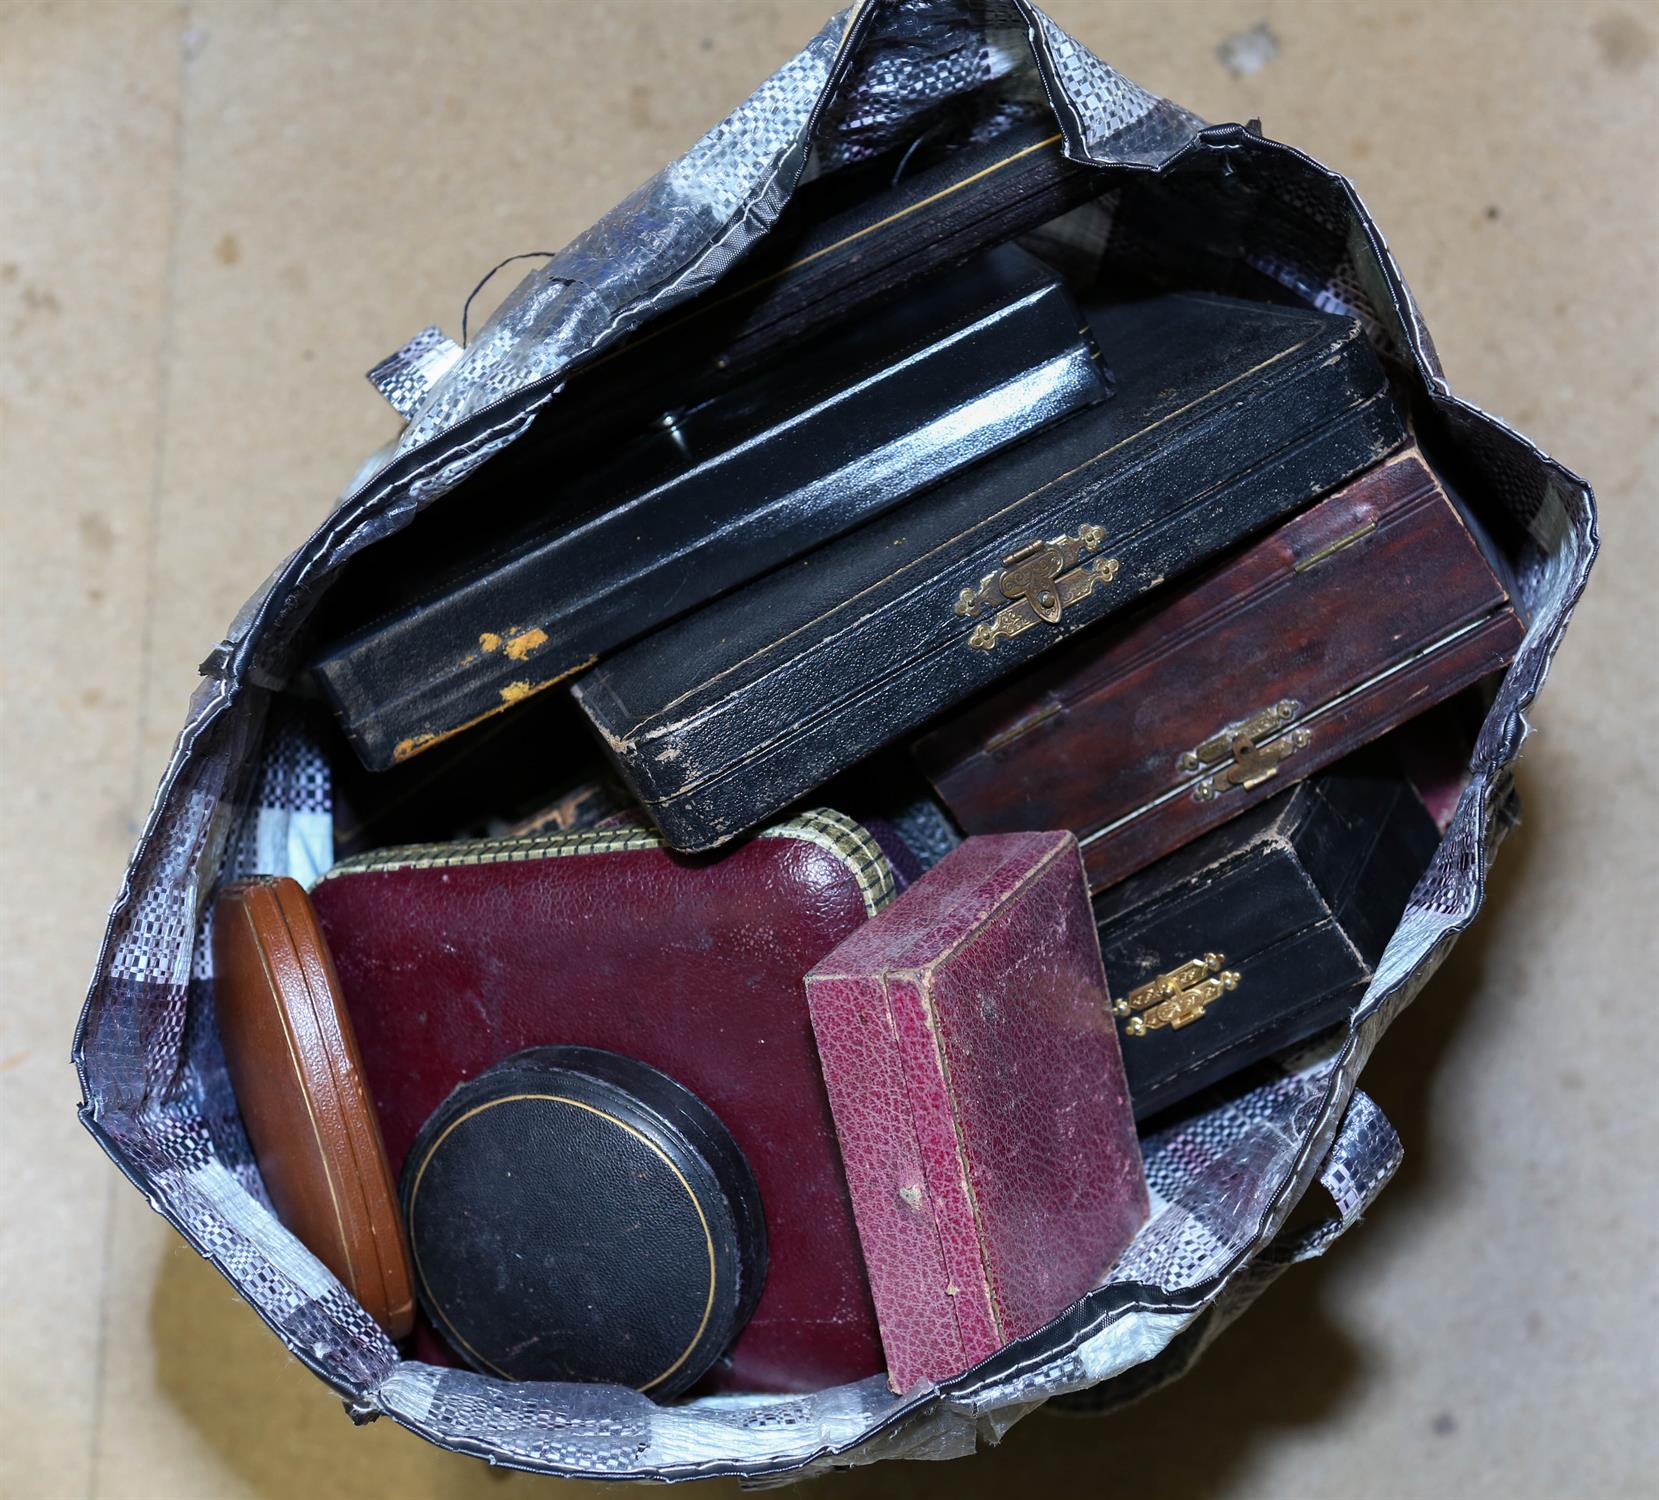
849,842
442,856
835,832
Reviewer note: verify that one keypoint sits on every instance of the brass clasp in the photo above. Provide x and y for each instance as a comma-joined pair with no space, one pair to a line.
1041,578
1178,998
1253,747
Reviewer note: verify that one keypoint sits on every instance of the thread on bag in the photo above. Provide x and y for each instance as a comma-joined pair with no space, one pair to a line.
466,307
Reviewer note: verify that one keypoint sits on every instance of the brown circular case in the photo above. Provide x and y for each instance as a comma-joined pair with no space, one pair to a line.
299,1081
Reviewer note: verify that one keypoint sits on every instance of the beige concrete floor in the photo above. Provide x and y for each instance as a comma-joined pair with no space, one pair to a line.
215,214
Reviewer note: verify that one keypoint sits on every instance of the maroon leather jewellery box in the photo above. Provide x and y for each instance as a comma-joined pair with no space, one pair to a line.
452,957
973,1066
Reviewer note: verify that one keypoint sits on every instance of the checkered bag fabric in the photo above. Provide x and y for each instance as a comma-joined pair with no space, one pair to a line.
248,787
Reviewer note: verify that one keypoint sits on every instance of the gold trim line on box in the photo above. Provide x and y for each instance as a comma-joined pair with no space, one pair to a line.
1039,579
1250,748
1330,549
1178,998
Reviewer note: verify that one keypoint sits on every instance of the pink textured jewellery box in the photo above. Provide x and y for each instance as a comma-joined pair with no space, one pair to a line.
978,1094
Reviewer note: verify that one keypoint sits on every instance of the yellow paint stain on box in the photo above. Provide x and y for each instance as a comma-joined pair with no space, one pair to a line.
521,643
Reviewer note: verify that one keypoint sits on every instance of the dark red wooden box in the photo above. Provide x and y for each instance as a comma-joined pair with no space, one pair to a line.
1341,623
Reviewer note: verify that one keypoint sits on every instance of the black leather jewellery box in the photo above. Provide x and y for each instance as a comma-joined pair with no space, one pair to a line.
1227,415
1263,932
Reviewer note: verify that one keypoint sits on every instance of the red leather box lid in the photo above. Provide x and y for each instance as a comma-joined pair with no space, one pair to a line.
974,1071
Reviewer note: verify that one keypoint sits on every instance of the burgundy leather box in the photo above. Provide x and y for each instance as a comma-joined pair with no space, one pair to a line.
1332,629
454,956
979,1095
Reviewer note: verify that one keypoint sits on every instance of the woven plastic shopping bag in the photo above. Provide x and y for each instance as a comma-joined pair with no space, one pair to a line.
248,788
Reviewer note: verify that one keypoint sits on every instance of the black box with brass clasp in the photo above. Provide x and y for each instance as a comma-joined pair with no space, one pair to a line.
1228,416
583,542
1264,931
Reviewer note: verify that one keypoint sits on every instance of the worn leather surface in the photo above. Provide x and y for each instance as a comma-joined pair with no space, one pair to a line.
300,1086
980,1101
712,495
1228,415
692,966
1298,897
852,237
1352,610
843,242
577,1215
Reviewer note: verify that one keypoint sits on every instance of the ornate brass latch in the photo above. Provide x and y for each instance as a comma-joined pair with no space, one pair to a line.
1242,745
1041,579
1178,998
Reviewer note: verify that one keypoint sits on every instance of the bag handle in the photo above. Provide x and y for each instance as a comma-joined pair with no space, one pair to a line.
1364,1156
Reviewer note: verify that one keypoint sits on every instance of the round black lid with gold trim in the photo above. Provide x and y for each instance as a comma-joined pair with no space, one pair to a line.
577,1215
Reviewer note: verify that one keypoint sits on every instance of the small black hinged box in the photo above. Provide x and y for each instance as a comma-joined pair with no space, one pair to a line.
1260,934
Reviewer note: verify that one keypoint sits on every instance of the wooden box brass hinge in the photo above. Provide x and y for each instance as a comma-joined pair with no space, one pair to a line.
1251,747
1178,998
1041,578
